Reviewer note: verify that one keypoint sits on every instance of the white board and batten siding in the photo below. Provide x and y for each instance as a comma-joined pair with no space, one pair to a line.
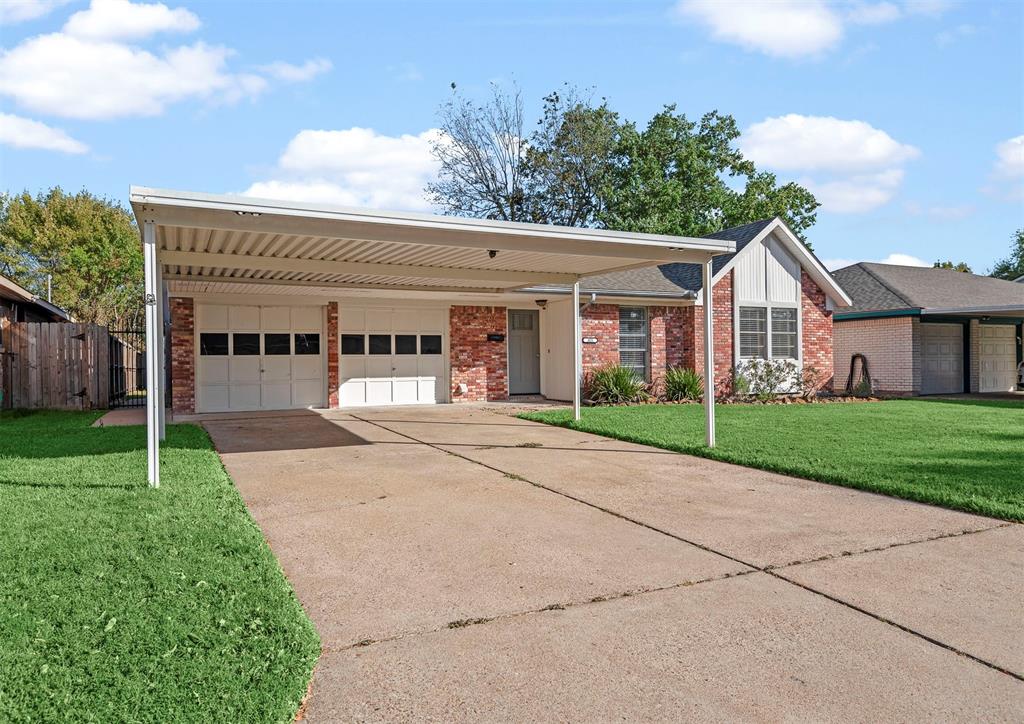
268,363
767,276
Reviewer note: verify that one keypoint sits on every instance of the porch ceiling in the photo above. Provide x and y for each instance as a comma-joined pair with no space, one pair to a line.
209,242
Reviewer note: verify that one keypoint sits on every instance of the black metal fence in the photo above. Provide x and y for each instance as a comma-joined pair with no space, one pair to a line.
128,368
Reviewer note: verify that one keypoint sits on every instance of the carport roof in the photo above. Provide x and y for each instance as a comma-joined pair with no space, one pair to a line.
235,243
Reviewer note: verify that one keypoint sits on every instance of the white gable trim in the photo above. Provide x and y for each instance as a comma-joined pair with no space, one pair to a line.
833,292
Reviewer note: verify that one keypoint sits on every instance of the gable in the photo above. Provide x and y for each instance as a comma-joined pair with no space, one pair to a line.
767,273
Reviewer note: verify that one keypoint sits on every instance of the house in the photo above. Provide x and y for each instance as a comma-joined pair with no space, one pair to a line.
929,331
17,304
280,305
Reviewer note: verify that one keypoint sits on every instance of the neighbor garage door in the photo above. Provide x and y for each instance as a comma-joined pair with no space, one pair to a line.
258,358
392,356
998,357
942,368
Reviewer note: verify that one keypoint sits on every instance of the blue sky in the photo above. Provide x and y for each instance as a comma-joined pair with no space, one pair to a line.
905,118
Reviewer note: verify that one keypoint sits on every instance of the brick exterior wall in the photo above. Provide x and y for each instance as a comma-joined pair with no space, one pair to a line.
892,346
974,355
671,330
333,379
601,321
816,331
183,360
480,365
721,298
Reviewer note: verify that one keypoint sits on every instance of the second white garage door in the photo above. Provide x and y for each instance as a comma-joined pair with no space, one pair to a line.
942,357
392,356
998,357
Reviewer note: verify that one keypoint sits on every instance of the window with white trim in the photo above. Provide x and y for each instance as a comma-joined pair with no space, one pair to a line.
633,339
768,331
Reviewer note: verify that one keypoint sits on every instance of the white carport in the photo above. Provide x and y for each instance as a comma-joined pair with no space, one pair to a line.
239,242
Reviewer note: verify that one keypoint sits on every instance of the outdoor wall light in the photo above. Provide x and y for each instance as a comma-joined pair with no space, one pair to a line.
492,253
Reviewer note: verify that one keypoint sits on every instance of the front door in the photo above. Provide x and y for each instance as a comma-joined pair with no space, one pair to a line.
523,352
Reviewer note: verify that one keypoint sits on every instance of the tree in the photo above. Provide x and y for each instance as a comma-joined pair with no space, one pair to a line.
1012,267
960,266
585,166
88,244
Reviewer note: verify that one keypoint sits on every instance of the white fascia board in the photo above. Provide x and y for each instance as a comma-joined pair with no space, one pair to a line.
238,213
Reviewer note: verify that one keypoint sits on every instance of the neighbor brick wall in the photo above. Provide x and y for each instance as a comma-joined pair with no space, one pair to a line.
600,321
816,332
333,379
481,365
892,347
975,355
183,359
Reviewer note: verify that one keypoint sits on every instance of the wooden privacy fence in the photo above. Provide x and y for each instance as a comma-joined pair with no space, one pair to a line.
54,366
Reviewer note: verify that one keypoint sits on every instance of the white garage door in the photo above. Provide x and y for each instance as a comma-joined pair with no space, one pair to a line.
393,356
998,357
942,353
259,358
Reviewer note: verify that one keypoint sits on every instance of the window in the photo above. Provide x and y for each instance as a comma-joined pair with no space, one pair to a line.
380,344
353,344
633,339
753,332
405,344
521,320
307,343
277,344
430,344
245,344
213,344
784,336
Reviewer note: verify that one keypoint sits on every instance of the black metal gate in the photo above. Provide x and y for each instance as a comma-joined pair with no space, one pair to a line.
128,368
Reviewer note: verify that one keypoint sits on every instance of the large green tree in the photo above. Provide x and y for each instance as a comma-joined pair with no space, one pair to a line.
583,165
960,266
1012,267
88,245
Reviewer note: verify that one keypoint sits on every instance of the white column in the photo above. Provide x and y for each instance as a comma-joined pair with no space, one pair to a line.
161,351
152,368
709,357
577,350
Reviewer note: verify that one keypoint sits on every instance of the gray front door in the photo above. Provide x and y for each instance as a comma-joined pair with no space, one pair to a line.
523,352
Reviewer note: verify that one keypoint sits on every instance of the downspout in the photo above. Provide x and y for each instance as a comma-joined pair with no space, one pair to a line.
588,305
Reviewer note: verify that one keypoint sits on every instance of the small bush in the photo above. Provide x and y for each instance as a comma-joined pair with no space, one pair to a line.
768,378
683,383
614,385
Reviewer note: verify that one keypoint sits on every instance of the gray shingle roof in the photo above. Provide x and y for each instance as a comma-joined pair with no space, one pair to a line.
673,278
885,287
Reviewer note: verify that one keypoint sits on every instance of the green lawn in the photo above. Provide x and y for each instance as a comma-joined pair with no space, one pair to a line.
121,603
962,454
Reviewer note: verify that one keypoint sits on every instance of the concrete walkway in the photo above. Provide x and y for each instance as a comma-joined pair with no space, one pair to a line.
466,565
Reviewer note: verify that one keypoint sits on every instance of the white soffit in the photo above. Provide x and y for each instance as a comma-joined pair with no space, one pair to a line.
234,240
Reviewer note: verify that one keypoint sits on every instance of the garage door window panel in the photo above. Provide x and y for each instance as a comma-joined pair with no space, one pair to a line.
430,344
244,344
213,344
306,343
353,344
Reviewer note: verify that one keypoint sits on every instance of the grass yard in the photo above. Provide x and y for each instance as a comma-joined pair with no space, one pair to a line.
962,454
121,603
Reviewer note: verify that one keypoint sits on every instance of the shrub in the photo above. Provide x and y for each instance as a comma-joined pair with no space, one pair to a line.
768,378
740,384
683,383
807,382
614,385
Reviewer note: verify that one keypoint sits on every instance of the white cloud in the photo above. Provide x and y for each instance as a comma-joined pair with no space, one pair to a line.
894,258
953,212
950,36
874,13
75,78
353,167
124,20
297,73
18,11
1006,181
25,133
785,29
852,166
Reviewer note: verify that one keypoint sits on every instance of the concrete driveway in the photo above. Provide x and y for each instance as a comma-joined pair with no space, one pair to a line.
462,564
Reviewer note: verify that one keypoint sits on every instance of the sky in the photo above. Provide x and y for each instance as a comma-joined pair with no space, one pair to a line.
905,118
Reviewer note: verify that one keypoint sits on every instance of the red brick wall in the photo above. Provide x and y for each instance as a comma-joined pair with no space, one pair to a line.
816,339
481,365
671,331
721,298
601,321
333,380
183,359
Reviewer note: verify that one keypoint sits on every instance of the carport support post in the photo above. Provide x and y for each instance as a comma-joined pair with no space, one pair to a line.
152,367
709,356
161,350
577,351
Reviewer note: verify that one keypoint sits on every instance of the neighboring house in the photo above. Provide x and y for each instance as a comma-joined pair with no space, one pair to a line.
320,319
17,304
929,331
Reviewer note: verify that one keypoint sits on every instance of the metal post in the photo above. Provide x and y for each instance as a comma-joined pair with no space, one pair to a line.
152,368
577,351
161,378
709,357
